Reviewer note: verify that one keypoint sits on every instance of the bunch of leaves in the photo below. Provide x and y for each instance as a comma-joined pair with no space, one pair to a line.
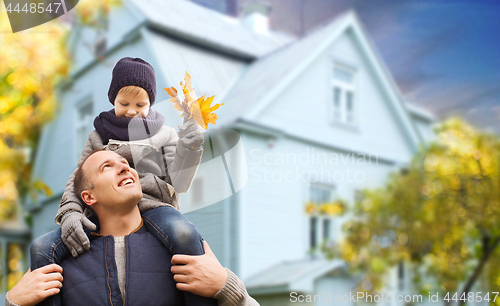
440,216
199,109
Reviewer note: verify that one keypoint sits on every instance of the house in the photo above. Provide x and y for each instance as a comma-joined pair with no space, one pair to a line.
310,119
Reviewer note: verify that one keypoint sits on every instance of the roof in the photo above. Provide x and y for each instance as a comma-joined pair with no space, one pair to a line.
273,73
420,112
289,276
209,28
213,72
264,75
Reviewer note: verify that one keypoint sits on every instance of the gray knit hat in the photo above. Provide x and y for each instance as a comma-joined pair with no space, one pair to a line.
133,71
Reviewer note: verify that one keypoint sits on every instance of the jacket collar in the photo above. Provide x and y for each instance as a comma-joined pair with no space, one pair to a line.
140,229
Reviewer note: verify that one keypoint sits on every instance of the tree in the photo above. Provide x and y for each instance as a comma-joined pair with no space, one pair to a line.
33,63
441,215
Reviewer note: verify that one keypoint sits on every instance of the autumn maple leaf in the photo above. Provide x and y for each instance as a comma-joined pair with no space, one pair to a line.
198,109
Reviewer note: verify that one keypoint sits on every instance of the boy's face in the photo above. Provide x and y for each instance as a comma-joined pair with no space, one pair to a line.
129,105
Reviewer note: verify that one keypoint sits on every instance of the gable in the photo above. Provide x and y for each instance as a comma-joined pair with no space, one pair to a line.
299,101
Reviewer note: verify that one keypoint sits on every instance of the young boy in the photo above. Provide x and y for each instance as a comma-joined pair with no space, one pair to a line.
166,165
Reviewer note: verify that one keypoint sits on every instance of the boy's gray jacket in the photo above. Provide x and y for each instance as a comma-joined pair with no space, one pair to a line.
159,160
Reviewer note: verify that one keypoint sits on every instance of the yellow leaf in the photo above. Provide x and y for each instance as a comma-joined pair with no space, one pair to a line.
201,111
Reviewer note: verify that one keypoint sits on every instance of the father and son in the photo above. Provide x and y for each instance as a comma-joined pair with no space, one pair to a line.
137,248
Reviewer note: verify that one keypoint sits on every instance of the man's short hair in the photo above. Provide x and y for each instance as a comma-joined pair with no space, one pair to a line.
81,182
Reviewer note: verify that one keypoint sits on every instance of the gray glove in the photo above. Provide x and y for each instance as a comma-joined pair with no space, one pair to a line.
72,232
190,135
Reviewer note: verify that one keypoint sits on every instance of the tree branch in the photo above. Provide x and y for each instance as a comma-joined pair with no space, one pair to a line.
484,259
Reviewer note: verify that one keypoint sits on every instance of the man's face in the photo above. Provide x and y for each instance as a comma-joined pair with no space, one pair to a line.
116,184
130,105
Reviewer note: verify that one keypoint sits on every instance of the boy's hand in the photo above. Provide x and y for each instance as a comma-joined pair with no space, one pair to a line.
72,232
202,275
36,286
190,136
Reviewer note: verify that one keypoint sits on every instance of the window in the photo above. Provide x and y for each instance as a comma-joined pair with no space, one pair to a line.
401,275
326,229
100,42
344,98
321,193
14,258
83,125
320,226
312,233
358,196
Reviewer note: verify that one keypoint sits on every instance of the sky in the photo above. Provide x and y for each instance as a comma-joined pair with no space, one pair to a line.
444,55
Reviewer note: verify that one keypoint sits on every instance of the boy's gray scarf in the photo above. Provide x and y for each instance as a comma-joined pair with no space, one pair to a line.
109,126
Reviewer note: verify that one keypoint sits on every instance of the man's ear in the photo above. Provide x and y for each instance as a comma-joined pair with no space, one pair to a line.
88,198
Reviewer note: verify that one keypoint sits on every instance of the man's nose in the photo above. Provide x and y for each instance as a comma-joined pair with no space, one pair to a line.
124,168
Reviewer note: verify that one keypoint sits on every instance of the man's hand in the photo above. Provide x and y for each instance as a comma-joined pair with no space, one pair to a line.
72,232
202,275
36,286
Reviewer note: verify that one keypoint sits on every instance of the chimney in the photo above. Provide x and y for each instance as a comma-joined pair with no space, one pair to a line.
256,16
232,8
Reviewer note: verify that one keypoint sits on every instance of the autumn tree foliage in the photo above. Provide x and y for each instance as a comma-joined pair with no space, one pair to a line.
440,216
32,64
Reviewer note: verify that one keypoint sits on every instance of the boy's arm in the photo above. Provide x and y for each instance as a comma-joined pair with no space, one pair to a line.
183,155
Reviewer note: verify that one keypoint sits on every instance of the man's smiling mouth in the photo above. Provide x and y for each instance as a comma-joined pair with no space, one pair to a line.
126,181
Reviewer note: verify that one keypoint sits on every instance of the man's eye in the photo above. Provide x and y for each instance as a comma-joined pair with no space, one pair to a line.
124,104
106,166
138,105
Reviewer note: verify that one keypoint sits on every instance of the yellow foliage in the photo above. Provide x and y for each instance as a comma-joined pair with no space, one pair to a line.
199,109
33,62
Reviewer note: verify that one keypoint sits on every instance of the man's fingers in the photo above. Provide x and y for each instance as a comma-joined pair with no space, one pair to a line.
183,286
180,278
51,292
180,259
207,248
52,284
49,269
179,270
55,276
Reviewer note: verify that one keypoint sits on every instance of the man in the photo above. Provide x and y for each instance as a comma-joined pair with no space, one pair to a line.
94,278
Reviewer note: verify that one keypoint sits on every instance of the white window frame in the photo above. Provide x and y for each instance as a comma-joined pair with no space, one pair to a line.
85,124
319,237
339,114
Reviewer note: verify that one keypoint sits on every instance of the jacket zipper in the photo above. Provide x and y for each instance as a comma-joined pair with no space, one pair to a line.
125,272
107,271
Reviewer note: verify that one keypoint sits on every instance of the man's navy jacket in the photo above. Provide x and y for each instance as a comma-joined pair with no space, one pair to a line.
92,279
